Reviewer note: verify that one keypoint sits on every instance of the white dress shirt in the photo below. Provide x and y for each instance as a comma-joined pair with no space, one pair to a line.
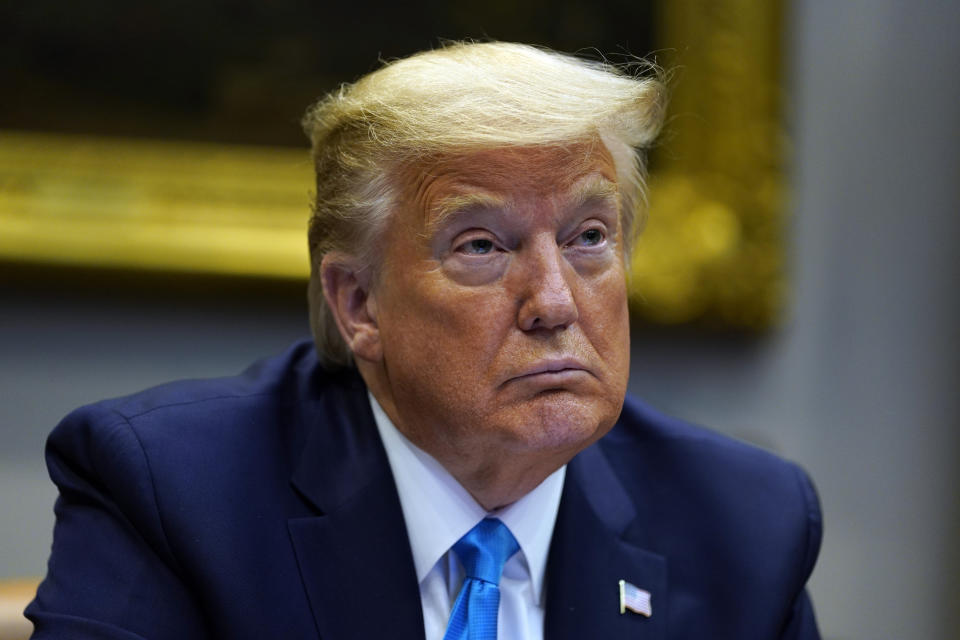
438,512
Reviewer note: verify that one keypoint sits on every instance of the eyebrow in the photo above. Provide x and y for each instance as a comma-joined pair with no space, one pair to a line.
453,206
594,190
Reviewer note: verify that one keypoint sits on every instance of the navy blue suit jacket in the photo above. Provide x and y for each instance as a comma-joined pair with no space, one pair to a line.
263,506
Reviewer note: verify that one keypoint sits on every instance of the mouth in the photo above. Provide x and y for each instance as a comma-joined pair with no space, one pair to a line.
552,371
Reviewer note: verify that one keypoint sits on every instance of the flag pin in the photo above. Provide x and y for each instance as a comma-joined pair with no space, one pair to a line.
635,599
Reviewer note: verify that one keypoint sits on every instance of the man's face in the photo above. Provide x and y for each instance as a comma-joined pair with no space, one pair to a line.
501,305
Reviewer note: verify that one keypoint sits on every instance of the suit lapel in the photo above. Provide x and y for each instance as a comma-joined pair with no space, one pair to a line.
593,548
355,559
354,556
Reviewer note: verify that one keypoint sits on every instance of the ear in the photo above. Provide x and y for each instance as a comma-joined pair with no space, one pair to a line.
346,287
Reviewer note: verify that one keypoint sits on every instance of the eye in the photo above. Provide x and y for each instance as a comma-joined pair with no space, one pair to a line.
590,237
476,247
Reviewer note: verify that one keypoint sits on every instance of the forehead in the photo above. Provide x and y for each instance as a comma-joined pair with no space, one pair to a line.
506,176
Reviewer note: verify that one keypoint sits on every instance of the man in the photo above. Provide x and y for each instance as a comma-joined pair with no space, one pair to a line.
454,457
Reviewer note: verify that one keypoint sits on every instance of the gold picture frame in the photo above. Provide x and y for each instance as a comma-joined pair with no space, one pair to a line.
711,252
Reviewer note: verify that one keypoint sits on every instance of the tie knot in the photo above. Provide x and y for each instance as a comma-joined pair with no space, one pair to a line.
485,549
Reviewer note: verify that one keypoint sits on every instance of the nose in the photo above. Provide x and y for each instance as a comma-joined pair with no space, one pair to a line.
547,301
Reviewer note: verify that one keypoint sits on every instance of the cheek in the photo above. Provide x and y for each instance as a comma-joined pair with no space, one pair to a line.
439,327
607,320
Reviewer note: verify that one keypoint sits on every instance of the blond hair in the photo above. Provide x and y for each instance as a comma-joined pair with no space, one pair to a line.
460,98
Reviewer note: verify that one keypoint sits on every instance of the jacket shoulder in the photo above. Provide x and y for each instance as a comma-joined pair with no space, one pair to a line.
762,511
644,431
162,490
263,378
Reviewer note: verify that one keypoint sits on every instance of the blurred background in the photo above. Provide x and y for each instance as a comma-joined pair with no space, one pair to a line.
813,148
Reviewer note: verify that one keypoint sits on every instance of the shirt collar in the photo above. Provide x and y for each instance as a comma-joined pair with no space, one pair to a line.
438,511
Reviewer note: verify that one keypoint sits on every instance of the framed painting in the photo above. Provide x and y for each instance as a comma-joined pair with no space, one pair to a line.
194,163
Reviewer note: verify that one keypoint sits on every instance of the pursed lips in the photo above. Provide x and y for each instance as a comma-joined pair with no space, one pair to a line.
551,369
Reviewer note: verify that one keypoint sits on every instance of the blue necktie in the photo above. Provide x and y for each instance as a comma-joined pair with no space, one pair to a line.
483,551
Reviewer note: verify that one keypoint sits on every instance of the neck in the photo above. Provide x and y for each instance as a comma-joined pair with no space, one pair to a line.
502,480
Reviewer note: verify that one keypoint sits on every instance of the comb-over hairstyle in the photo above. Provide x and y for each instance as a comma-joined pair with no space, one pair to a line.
460,98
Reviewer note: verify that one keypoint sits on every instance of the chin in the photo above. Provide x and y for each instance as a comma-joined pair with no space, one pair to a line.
562,421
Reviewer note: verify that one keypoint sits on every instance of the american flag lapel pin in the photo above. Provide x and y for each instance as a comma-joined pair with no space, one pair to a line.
635,599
